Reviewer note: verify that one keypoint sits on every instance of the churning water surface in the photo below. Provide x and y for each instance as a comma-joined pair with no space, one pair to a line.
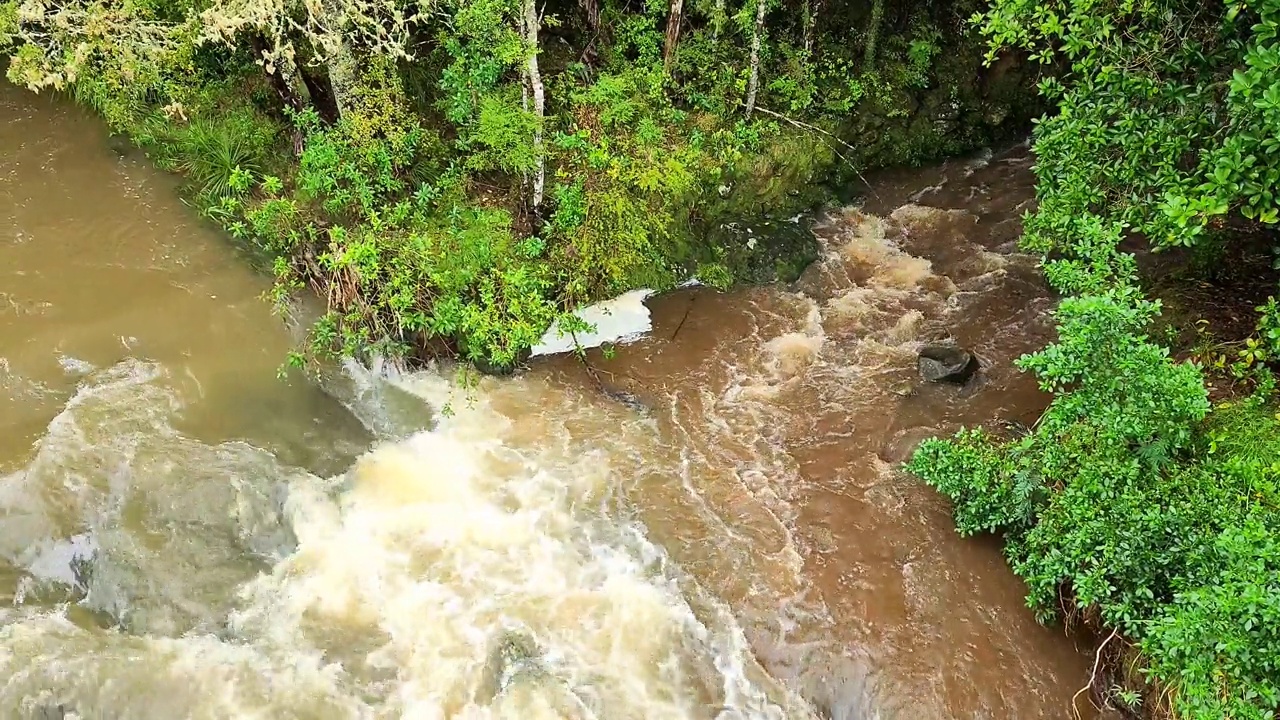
183,535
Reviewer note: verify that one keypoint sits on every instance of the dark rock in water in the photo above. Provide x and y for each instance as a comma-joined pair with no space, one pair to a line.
899,448
626,398
120,144
946,363
768,251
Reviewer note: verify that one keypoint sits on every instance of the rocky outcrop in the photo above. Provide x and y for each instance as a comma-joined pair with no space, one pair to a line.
946,363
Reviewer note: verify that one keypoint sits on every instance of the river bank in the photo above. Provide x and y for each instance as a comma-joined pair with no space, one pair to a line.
452,183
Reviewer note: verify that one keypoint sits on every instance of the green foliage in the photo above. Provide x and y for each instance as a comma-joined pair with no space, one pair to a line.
1107,374
1269,327
1168,117
355,176
1219,643
8,23
481,44
470,271
989,492
501,136
646,166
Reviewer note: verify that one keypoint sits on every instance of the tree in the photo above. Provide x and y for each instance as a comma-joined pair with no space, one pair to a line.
338,34
753,84
121,43
675,17
534,79
812,9
873,34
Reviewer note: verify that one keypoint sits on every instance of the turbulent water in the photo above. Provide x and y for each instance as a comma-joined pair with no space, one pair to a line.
790,412
183,535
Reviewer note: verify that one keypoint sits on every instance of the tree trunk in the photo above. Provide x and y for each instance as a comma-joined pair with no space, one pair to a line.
277,78
674,21
280,78
341,66
592,10
339,59
322,98
534,79
753,85
873,35
812,9
717,20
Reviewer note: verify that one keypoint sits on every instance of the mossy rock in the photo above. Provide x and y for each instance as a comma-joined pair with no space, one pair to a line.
769,251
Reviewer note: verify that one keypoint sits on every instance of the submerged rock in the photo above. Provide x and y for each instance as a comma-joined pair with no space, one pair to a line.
946,363
515,655
54,712
121,145
899,448
628,399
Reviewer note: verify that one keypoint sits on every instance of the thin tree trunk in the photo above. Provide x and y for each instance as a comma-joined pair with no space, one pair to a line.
753,85
812,9
531,23
675,19
278,79
717,20
873,34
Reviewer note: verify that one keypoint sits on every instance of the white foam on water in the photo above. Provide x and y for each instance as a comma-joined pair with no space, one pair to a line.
73,365
464,572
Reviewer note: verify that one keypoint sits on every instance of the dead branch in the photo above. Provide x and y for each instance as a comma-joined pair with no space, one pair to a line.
814,128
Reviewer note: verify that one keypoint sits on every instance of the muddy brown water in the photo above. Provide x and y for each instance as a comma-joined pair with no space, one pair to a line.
792,410
183,534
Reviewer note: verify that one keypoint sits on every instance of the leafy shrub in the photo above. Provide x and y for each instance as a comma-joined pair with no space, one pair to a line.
989,494
1144,133
352,173
8,23
636,177
501,135
1218,642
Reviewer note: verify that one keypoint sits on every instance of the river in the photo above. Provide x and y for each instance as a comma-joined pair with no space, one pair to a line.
183,534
